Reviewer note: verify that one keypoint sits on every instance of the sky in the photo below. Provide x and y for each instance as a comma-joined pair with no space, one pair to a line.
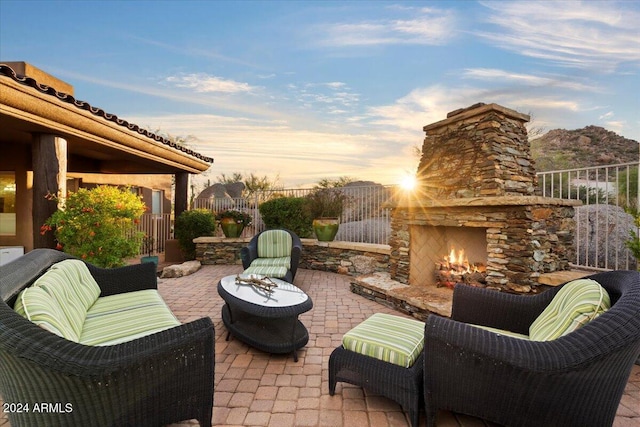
299,91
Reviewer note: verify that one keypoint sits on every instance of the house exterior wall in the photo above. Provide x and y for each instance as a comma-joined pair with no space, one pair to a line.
16,158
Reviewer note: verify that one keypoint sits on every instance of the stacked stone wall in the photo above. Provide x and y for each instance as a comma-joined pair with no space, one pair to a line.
338,257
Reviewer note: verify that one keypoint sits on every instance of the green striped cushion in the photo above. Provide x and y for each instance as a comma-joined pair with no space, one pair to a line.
124,317
284,261
502,332
577,303
38,306
277,272
386,337
73,287
274,244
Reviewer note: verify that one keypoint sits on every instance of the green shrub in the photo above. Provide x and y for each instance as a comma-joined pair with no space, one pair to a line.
98,225
634,240
287,212
192,224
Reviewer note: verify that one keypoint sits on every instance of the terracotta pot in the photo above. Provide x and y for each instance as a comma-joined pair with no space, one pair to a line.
326,228
231,228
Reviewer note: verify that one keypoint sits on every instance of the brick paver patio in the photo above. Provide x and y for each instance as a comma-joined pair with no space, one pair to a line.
253,388
257,389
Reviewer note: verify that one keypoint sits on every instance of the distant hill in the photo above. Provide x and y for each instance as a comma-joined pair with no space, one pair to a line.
589,146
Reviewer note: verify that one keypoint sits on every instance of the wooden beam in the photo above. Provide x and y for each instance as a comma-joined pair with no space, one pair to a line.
182,186
49,157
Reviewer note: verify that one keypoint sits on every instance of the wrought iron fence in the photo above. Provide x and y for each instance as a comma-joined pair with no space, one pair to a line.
157,226
604,223
364,219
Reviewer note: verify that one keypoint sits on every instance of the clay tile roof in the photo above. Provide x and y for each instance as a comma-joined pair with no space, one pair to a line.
7,71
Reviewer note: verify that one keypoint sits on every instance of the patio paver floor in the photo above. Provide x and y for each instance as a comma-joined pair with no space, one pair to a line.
253,388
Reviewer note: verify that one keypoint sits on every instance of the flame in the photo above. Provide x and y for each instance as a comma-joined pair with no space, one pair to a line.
458,263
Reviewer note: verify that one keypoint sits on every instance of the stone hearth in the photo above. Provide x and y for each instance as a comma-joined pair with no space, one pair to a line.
477,190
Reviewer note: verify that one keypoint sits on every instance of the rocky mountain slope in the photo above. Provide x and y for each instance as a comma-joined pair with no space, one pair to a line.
589,146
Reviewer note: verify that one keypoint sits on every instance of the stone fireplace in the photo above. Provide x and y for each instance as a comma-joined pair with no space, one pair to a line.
476,193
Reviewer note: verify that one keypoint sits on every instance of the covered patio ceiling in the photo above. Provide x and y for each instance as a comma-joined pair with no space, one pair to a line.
97,142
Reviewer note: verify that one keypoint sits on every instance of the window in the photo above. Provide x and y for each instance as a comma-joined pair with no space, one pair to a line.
7,204
156,202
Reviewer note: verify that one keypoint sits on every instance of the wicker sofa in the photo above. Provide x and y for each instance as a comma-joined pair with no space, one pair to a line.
153,377
575,380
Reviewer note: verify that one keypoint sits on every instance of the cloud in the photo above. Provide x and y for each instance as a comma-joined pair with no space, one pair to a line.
428,26
300,156
201,82
502,77
596,35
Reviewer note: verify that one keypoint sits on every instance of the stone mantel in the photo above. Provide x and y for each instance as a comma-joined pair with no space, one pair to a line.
416,203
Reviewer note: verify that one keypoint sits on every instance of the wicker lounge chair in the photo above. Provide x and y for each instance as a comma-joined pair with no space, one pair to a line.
154,380
575,380
273,253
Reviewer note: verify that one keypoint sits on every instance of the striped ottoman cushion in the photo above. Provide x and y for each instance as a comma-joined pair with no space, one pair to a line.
393,339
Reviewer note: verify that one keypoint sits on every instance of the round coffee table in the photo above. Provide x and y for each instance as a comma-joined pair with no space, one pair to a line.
265,320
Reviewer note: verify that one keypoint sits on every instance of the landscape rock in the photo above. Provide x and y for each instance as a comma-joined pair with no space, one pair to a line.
179,270
602,249
364,264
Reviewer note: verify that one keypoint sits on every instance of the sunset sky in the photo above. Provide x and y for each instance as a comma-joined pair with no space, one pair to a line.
308,90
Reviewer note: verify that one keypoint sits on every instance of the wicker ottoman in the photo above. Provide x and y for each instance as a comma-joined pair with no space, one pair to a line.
384,355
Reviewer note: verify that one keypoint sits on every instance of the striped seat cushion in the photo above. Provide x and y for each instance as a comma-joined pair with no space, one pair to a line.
70,283
124,317
284,261
386,337
268,271
274,244
37,305
502,332
577,303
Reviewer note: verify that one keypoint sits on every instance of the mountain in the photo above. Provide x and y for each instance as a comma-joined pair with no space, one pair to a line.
589,146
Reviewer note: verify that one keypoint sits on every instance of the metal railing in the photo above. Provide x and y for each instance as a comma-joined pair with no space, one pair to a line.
604,222
158,226
364,219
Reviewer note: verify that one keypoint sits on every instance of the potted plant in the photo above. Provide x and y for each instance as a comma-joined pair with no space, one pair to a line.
233,221
326,206
148,245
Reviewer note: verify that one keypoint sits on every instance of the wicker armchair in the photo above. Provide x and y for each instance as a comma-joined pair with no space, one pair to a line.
575,380
253,255
151,381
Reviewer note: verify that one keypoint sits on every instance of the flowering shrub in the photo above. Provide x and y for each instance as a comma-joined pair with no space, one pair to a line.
98,225
236,215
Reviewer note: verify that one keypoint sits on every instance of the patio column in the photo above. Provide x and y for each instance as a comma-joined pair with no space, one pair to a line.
182,185
49,161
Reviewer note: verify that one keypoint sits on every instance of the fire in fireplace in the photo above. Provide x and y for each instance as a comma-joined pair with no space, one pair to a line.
456,268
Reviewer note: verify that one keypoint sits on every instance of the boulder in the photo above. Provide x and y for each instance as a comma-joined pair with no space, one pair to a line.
600,237
179,270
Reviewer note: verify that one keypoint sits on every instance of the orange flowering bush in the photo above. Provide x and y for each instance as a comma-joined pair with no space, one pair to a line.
98,225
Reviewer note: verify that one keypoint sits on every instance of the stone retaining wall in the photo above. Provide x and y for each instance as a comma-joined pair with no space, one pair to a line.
338,257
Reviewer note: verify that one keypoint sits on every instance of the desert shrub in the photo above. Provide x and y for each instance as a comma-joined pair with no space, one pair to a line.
98,225
191,224
287,212
634,240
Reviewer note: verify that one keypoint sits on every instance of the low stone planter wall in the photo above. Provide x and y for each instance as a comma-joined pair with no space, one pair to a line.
338,257
344,257
219,250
